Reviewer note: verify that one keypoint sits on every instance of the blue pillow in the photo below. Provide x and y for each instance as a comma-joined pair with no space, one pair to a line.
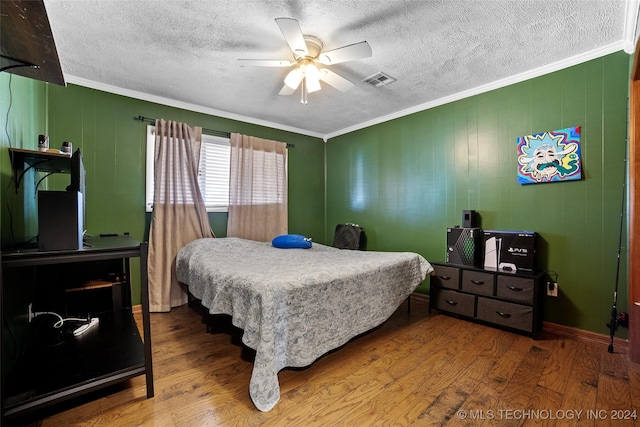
287,241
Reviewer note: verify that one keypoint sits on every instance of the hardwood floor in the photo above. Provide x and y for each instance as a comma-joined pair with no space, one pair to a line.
416,369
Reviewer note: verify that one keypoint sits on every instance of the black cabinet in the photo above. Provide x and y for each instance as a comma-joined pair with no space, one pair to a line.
498,298
49,362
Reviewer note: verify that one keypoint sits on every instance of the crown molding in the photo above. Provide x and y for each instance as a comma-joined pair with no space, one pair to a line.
630,25
185,105
518,78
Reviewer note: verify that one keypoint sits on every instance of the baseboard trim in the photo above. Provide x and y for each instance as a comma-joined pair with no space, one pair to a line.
562,330
136,309
570,332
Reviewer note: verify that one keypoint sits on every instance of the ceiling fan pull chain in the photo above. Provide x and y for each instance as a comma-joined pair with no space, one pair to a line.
304,91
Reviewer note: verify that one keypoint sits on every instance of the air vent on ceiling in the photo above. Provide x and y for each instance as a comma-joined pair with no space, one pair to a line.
379,79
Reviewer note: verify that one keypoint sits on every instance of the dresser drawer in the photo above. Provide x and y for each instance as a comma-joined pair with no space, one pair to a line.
446,277
453,302
478,282
519,289
506,314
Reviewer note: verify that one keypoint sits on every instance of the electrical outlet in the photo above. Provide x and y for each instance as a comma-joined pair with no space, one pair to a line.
552,289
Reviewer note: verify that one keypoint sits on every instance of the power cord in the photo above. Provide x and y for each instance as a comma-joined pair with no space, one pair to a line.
551,284
6,130
552,273
90,322
61,320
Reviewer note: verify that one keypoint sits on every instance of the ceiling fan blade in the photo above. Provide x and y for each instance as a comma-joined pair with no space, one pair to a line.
335,80
286,90
264,63
346,53
293,35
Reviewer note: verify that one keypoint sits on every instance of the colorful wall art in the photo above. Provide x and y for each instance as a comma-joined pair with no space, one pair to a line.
549,156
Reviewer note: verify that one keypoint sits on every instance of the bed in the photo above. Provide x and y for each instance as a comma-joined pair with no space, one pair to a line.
294,305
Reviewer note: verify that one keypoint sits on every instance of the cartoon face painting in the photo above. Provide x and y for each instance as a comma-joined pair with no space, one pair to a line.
549,156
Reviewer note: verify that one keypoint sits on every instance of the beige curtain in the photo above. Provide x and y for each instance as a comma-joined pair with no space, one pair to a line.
257,188
179,214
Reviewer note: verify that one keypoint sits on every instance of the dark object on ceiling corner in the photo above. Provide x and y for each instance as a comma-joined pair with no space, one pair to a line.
27,47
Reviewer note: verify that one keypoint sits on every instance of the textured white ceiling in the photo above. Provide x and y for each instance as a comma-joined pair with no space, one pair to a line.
185,52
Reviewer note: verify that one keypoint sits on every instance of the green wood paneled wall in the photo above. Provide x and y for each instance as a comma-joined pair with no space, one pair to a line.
407,180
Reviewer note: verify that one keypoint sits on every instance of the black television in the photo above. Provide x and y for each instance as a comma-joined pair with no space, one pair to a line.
78,182
77,173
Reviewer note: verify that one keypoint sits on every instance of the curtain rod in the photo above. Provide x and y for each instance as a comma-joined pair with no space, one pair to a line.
204,130
208,131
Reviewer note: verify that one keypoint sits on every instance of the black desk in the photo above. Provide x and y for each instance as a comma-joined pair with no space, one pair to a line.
56,365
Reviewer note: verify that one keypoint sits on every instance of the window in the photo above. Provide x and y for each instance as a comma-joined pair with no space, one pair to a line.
213,173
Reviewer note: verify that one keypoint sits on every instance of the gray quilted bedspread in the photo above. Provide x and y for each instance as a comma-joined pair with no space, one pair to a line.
294,305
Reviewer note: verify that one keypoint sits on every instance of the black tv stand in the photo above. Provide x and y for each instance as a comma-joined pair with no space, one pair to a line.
55,365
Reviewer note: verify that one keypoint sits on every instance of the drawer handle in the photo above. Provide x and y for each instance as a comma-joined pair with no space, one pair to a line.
445,277
515,288
477,282
451,302
501,314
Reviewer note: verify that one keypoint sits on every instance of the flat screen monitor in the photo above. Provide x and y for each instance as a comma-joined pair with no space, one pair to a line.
78,183
77,173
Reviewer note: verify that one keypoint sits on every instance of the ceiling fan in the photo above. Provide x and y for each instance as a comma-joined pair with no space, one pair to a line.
309,59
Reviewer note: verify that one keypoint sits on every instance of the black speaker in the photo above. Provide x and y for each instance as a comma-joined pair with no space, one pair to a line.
464,246
60,220
469,219
349,236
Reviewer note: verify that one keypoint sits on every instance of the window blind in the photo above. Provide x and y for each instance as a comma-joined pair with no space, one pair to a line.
213,171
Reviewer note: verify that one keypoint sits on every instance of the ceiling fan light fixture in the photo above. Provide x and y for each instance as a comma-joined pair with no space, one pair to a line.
313,85
294,78
308,53
312,78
